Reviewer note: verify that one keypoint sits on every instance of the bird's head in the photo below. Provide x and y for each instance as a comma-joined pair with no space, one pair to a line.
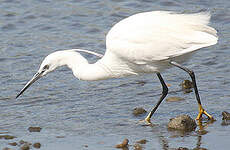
71,58
50,63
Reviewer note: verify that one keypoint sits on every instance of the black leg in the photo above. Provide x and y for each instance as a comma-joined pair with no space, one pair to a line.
164,93
192,75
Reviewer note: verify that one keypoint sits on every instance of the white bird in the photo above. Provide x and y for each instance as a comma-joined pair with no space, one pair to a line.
146,42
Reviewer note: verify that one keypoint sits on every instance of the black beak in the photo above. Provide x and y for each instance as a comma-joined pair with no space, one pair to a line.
28,84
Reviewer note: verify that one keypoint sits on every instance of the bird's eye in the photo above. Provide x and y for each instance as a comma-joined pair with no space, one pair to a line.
46,67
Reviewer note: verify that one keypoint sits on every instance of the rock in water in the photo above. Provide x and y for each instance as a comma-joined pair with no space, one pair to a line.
124,144
182,122
25,146
37,145
13,144
226,115
174,99
143,141
226,118
7,137
6,148
187,86
137,147
139,111
34,129
182,148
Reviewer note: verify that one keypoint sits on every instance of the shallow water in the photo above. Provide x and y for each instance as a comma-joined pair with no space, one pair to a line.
98,115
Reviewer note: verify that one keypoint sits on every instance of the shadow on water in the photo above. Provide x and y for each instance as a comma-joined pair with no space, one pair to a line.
165,137
199,133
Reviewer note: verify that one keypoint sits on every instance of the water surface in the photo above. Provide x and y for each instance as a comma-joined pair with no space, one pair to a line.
77,114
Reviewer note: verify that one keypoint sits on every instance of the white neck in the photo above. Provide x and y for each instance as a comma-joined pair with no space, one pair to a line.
82,69
91,72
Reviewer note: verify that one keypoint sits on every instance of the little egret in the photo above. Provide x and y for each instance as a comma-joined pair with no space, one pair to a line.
146,42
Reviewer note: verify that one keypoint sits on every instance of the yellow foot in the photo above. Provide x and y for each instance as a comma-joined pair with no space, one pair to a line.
146,122
201,112
147,119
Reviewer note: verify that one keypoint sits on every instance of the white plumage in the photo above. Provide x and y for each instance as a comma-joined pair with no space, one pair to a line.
147,42
157,35
141,42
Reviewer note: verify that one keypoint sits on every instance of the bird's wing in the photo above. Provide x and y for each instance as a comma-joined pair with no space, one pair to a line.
89,52
153,36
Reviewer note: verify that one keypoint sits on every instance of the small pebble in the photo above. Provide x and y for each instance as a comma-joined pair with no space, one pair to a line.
123,144
7,137
13,144
25,146
144,141
226,115
182,148
174,99
182,122
34,129
200,148
6,148
137,147
60,136
168,84
37,145
186,84
142,83
22,142
139,111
